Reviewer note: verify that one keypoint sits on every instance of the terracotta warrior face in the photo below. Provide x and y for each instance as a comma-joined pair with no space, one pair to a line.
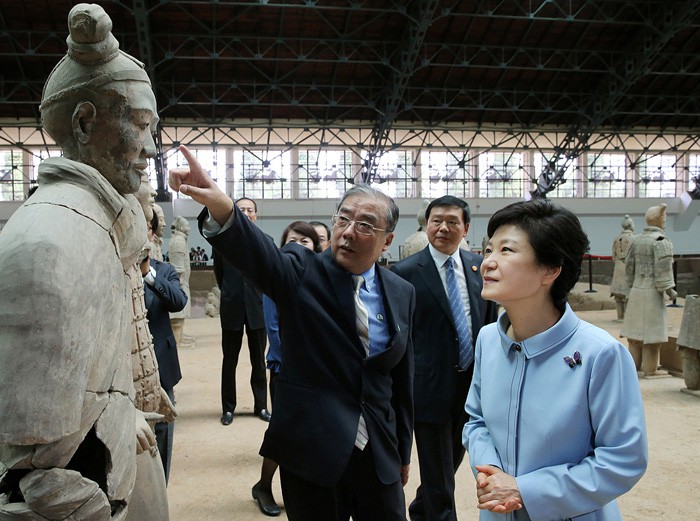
161,220
146,197
119,137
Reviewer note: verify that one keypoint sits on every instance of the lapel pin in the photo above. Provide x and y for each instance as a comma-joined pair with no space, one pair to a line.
474,268
380,317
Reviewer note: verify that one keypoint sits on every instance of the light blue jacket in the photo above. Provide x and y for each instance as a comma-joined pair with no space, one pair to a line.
574,437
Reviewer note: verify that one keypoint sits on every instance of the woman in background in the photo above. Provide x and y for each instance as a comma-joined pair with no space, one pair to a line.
304,234
556,427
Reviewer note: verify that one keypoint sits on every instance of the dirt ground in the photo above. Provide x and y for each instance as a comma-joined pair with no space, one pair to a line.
214,467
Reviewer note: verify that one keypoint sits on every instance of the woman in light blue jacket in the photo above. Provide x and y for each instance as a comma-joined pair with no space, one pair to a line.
556,427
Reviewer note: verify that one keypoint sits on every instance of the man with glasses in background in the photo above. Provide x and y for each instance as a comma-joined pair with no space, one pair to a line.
241,305
343,423
449,315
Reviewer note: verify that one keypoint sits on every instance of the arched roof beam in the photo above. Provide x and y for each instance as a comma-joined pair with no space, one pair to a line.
405,63
605,101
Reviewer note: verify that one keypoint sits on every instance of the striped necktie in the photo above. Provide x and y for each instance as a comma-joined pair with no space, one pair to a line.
361,315
362,322
465,354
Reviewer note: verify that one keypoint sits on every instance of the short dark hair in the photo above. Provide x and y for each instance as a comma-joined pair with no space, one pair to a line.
555,234
305,229
450,200
392,214
255,205
319,223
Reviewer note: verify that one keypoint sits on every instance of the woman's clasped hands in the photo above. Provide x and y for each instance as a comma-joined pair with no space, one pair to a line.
496,490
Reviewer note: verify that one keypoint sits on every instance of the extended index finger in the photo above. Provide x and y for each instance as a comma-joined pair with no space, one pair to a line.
189,156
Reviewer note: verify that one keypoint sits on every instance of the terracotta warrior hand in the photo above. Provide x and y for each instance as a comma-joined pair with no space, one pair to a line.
167,408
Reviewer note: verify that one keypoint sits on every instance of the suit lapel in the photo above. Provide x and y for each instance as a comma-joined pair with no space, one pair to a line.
390,298
473,278
341,284
431,277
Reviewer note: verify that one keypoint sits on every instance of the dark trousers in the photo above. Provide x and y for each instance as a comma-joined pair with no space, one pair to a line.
440,453
274,378
359,494
231,340
164,439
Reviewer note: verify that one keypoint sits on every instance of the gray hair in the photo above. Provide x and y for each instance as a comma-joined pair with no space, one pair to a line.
392,211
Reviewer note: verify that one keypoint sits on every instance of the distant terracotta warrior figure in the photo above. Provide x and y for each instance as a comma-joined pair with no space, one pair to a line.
649,268
68,424
418,240
179,257
146,196
159,231
619,288
688,342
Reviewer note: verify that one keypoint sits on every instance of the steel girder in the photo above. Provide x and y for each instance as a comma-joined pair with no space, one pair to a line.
604,104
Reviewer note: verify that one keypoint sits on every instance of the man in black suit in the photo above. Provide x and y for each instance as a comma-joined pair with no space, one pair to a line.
342,428
163,295
241,305
440,384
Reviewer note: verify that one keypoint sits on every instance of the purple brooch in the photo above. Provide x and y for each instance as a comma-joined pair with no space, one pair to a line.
573,362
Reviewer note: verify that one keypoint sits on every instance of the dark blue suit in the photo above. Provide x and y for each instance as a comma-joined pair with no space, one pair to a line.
164,297
440,390
326,380
241,305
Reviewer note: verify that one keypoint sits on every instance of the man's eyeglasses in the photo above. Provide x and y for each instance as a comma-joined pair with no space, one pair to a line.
361,227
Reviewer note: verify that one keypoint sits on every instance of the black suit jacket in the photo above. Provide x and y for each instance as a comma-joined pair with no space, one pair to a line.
326,379
435,341
241,301
164,297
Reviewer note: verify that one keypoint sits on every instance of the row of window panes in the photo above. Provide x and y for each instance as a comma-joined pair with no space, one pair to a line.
327,173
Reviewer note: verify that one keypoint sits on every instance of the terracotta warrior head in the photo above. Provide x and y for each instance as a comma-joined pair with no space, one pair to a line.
627,223
98,104
158,210
181,224
421,215
656,216
146,196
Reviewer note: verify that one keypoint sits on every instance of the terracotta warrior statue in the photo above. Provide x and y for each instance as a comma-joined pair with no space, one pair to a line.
179,255
149,499
418,239
618,288
688,342
69,427
146,196
157,251
649,269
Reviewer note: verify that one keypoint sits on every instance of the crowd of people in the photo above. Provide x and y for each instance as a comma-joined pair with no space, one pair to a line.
198,256
364,360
